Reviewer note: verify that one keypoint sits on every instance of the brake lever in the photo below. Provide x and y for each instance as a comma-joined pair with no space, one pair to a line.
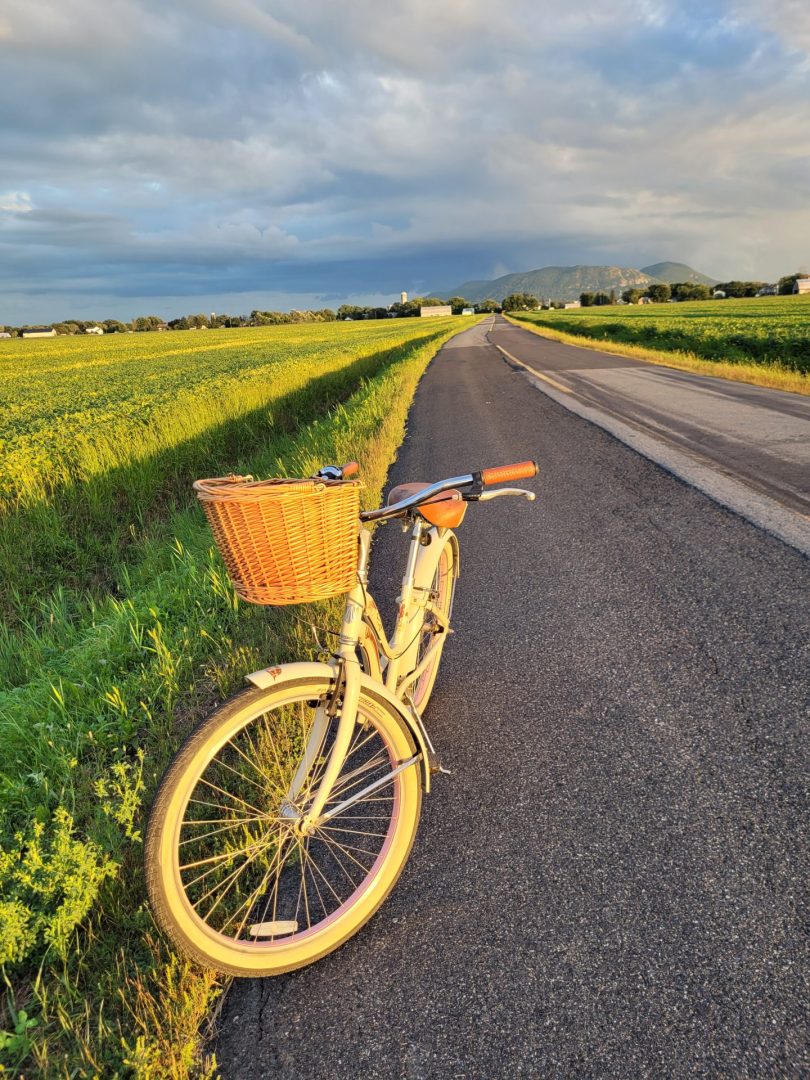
485,496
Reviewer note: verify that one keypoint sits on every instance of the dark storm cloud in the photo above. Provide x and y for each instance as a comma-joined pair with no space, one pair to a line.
229,147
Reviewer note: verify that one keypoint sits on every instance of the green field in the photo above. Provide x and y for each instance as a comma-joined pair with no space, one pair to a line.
771,333
120,631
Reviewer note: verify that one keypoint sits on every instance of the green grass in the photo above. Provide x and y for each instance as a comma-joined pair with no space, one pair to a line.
765,340
109,674
94,457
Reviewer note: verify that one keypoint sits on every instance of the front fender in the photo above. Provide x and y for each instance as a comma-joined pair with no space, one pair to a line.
281,673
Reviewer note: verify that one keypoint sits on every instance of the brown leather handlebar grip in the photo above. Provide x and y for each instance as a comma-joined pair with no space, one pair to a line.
521,470
350,468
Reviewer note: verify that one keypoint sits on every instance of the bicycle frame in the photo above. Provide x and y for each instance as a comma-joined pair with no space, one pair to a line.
360,619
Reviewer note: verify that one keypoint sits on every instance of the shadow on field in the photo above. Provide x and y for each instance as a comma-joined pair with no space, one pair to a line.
78,537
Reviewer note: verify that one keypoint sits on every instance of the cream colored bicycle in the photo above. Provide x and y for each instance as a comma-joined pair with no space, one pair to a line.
286,817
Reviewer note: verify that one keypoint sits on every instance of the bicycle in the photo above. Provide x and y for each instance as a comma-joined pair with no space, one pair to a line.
285,819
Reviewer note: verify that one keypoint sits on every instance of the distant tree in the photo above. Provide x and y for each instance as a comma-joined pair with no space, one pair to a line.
587,299
740,288
632,296
601,299
690,290
146,322
113,326
786,283
486,307
520,302
612,296
659,292
457,303
179,324
408,310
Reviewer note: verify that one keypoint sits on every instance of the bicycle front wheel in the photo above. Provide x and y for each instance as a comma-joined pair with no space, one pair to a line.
231,878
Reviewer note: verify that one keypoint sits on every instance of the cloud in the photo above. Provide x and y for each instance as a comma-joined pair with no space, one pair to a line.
213,146
789,19
15,202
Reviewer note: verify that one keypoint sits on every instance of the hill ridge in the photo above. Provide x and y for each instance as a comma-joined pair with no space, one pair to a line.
567,282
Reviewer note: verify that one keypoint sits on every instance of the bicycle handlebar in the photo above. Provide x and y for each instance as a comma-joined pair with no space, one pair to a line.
518,471
502,474
396,509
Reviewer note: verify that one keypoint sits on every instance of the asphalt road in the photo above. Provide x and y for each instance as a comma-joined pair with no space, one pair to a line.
612,883
758,435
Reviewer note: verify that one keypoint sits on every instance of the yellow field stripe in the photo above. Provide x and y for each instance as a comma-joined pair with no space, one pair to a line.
539,374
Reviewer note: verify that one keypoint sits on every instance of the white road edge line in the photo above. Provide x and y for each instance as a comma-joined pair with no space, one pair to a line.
539,374
766,513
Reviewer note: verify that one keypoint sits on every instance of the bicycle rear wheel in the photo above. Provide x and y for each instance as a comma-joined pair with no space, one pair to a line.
231,879
442,590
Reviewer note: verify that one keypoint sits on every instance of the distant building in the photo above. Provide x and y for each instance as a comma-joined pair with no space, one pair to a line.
165,326
467,311
93,330
403,298
769,290
4,333
801,286
39,331
718,294
644,300
440,309
572,304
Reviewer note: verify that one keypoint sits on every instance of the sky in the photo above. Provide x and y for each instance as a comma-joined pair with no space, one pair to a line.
221,155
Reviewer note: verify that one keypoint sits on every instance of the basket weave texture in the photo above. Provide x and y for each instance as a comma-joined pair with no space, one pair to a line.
285,541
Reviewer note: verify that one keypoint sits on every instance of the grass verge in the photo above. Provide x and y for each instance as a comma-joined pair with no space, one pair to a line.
770,375
91,988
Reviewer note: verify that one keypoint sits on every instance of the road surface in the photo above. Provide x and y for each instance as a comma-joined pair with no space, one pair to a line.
612,882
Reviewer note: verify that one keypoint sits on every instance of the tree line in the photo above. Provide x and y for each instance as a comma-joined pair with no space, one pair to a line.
657,293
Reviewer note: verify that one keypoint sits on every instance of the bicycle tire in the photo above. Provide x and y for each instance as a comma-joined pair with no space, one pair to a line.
442,592
274,948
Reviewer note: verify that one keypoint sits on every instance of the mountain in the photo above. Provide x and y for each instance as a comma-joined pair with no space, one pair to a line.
675,271
567,282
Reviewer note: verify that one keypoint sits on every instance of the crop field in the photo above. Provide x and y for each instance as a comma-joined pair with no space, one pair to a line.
120,630
771,332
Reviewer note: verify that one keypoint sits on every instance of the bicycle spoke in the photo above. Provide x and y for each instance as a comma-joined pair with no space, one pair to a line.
352,882
345,847
229,854
345,850
248,904
246,873
216,832
229,882
228,795
358,832
207,873
261,772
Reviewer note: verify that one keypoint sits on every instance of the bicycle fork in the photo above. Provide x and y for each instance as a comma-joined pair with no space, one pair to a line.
343,703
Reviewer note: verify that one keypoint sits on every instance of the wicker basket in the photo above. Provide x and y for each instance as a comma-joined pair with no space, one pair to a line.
285,541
